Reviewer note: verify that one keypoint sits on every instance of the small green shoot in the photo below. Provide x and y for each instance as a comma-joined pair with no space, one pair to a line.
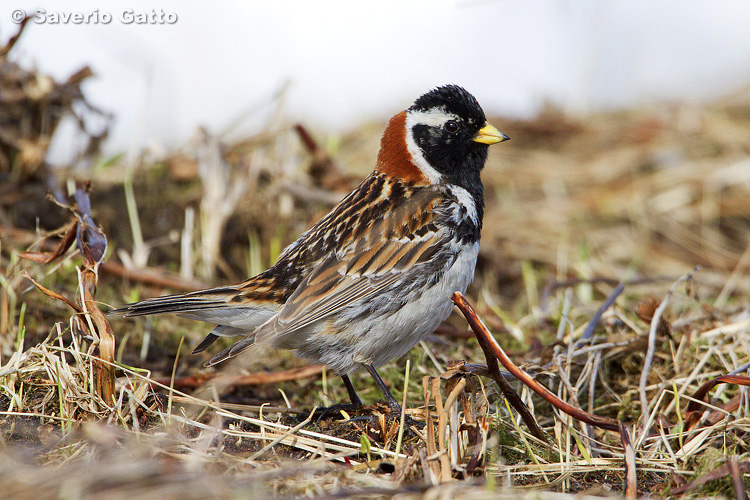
171,380
21,332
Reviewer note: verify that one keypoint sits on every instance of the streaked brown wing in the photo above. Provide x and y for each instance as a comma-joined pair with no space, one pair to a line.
369,263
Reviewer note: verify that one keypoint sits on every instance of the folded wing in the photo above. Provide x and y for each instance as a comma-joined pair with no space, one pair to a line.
384,253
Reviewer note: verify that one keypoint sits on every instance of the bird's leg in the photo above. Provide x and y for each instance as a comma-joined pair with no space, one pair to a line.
356,402
392,403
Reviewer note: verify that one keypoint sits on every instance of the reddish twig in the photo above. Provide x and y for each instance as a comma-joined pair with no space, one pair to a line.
692,411
494,370
199,379
323,170
151,277
718,473
730,406
307,139
482,333
737,483
631,483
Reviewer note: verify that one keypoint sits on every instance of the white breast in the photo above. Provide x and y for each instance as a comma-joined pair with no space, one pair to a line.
389,337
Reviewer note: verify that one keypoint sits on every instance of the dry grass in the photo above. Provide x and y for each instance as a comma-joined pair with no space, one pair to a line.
574,207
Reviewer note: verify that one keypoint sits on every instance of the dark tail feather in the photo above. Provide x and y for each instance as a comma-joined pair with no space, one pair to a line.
220,331
167,305
210,339
232,350
192,301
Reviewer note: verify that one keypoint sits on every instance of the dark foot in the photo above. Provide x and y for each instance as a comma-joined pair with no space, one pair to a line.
334,411
375,426
355,405
389,399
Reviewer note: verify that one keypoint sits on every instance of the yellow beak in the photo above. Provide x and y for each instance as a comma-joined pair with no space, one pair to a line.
489,135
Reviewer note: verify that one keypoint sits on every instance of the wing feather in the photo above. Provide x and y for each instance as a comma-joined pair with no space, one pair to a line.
376,262
367,247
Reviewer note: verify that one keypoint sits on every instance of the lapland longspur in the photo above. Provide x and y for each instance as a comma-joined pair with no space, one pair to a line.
375,275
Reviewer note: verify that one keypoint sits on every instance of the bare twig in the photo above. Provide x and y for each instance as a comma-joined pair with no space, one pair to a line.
481,331
655,322
737,483
150,276
631,484
597,317
12,41
513,398
323,170
199,379
718,473
691,412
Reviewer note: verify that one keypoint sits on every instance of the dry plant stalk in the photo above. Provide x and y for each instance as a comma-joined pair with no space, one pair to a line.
631,486
457,446
92,244
656,322
222,191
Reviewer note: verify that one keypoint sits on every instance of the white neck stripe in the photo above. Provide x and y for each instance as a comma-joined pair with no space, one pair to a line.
433,117
466,200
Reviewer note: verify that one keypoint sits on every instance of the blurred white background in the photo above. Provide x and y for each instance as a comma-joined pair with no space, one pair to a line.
344,62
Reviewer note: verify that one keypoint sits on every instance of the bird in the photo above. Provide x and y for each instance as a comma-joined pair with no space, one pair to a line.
375,275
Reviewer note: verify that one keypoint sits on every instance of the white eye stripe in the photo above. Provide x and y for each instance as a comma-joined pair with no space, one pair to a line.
432,117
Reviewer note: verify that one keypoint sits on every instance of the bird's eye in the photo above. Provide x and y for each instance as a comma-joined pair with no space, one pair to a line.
451,126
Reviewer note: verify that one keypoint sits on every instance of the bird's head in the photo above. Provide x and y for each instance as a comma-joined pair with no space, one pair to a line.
442,138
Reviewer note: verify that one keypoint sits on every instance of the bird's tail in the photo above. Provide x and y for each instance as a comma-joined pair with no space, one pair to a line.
215,305
232,351
200,300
